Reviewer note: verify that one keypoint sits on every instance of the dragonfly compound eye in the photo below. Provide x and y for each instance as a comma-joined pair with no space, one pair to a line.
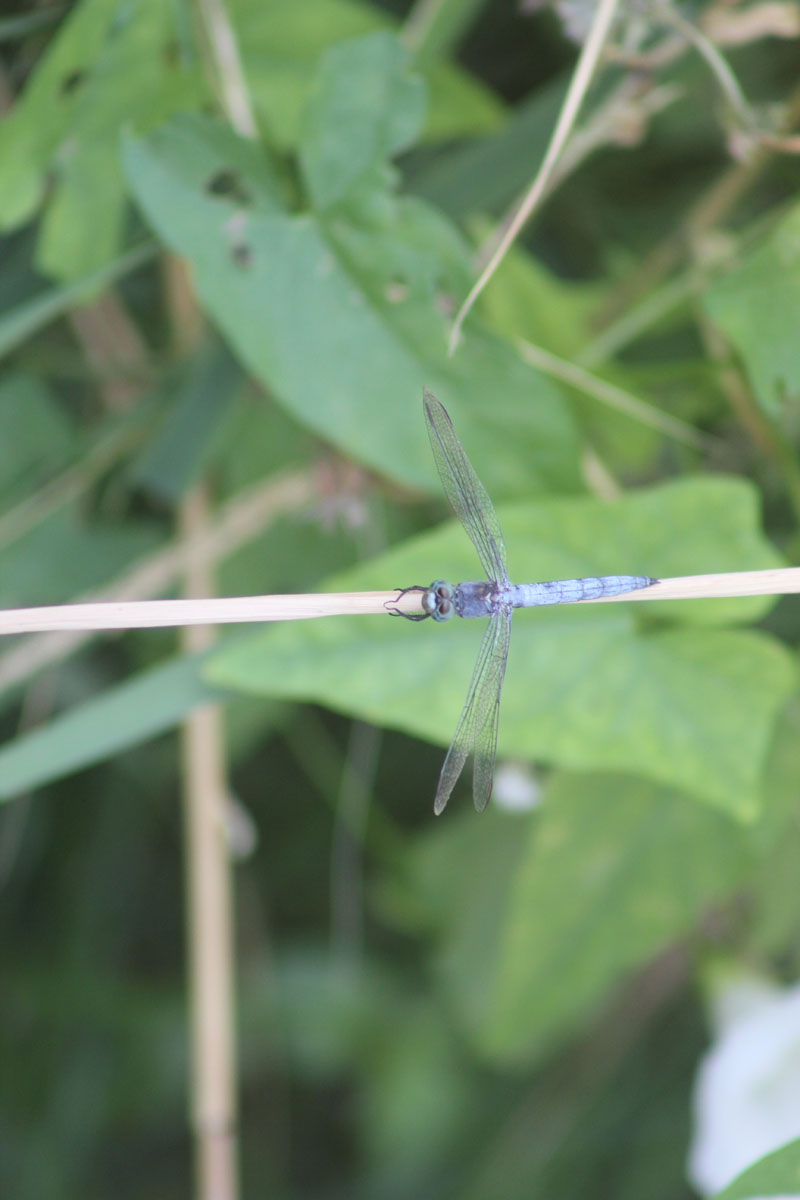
444,610
438,600
429,602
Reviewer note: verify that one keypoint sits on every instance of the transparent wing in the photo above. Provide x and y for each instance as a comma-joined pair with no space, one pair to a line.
467,495
478,720
489,702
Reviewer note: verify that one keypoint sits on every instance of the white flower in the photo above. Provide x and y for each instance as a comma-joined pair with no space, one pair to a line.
747,1089
515,788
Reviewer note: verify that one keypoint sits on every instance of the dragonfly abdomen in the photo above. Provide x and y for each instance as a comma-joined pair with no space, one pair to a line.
569,591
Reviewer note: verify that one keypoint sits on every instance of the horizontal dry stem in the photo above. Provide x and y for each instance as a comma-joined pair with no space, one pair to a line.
149,614
238,522
778,581
152,614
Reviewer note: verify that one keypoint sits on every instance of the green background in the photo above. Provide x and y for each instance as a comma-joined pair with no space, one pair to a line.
506,1005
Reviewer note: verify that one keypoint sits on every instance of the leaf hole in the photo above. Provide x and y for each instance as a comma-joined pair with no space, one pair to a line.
228,184
71,82
397,289
443,299
235,229
242,255
171,54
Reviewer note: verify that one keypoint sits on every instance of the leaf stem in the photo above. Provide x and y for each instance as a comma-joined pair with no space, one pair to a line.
615,397
727,81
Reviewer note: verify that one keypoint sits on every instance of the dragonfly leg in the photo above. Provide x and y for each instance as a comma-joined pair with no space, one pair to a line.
396,612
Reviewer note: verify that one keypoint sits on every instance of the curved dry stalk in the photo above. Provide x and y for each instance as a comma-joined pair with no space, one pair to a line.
727,81
611,395
579,85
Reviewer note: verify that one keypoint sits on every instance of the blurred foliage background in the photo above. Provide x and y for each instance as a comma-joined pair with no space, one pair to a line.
509,1005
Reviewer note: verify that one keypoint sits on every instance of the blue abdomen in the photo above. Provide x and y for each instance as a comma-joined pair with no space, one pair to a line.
570,591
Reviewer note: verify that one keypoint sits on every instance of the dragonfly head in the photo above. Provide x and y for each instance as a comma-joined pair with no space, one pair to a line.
438,600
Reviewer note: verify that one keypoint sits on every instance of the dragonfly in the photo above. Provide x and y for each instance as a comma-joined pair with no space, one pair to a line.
496,598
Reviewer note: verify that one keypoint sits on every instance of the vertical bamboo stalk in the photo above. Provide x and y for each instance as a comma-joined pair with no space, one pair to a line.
209,910
210,880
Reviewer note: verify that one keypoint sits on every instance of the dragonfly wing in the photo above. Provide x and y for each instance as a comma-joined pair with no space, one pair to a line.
478,705
488,703
467,495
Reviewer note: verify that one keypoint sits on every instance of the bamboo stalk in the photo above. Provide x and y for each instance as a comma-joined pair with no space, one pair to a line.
779,581
152,614
209,908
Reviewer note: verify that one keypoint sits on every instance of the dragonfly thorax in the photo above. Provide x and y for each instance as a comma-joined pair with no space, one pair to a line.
442,599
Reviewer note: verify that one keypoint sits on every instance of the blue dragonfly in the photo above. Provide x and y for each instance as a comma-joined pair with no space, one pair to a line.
496,598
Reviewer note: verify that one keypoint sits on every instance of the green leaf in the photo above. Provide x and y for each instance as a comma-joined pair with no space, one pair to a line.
773,888
203,397
145,706
547,913
82,228
776,1174
350,322
15,28
756,307
281,44
35,438
586,686
111,66
528,301
486,174
332,1019
108,66
64,555
365,108
24,320
30,136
